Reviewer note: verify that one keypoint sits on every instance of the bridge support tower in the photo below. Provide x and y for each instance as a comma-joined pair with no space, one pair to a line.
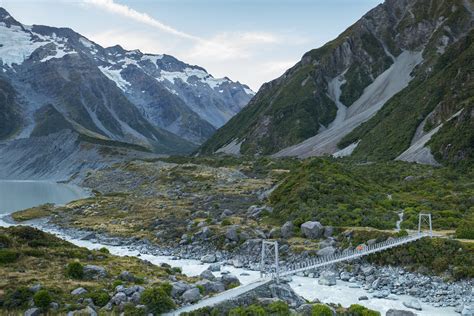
425,218
270,250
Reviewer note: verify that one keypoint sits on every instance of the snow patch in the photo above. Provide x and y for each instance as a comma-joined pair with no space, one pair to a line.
16,44
187,73
59,53
84,41
115,76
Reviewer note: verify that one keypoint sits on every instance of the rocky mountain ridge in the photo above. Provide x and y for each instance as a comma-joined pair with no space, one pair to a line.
318,106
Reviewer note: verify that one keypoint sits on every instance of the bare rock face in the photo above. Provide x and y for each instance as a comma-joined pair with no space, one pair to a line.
312,230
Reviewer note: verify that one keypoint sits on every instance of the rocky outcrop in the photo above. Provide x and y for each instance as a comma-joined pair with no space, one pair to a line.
312,230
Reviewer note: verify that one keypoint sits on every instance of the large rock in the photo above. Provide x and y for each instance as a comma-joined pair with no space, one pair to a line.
287,230
126,276
232,233
312,230
328,251
284,292
368,270
414,304
398,312
33,312
119,298
328,231
211,286
214,267
178,288
79,291
191,296
208,258
206,274
230,280
94,272
327,278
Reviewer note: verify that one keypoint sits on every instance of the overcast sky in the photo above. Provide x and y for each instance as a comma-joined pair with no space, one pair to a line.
252,41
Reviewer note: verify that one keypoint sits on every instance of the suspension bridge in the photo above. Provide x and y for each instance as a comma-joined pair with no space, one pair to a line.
272,271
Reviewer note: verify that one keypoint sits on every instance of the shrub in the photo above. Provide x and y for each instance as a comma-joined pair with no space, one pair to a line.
75,270
42,299
104,250
167,287
157,300
226,222
359,310
5,242
252,310
321,310
279,308
465,230
17,298
132,310
100,298
8,256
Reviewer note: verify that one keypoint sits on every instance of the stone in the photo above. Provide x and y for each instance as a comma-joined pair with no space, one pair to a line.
399,312
237,263
287,229
214,267
230,280
312,230
136,297
211,286
368,270
232,233
35,288
179,288
305,310
33,312
327,278
328,231
94,272
191,296
328,251
207,274
210,258
363,298
54,306
79,291
413,304
284,292
119,298
226,213
345,276
127,276
467,311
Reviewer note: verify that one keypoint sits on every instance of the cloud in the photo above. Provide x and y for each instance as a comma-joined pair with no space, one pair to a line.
125,11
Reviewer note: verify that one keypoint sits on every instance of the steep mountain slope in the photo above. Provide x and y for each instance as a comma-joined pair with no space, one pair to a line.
312,107
118,94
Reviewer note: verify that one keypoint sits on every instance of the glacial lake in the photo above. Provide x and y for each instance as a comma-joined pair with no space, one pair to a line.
19,194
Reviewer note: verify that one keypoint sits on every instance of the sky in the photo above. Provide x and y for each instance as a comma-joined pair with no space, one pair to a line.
251,41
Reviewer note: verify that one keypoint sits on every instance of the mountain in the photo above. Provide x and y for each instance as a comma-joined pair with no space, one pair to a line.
397,84
54,80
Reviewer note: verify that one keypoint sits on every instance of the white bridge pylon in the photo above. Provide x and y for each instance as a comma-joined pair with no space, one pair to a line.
275,271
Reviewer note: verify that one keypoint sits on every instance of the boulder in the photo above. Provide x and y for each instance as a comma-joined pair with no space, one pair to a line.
345,276
232,233
368,270
214,267
119,298
312,230
207,274
286,230
363,298
191,296
79,291
35,288
127,276
226,213
33,312
210,258
413,304
399,312
230,280
284,292
328,231
305,310
328,251
178,288
327,278
94,272
211,286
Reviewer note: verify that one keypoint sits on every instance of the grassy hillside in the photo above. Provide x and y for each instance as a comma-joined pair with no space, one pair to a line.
9,111
347,194
447,89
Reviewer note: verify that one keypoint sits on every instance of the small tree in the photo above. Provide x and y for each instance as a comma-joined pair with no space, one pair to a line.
157,300
42,299
75,270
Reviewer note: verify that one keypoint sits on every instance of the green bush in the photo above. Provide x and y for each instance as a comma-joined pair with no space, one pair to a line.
17,298
465,230
5,242
100,298
359,310
75,270
132,310
8,256
104,250
157,300
42,299
279,308
226,222
321,310
252,310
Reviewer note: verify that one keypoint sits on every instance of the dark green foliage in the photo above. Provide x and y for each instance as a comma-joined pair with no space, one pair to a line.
132,310
359,310
157,300
17,298
432,255
5,242
100,298
42,299
104,250
75,270
347,194
321,310
279,308
8,256
252,310
9,111
465,230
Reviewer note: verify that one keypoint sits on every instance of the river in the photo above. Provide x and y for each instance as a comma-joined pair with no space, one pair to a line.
17,195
